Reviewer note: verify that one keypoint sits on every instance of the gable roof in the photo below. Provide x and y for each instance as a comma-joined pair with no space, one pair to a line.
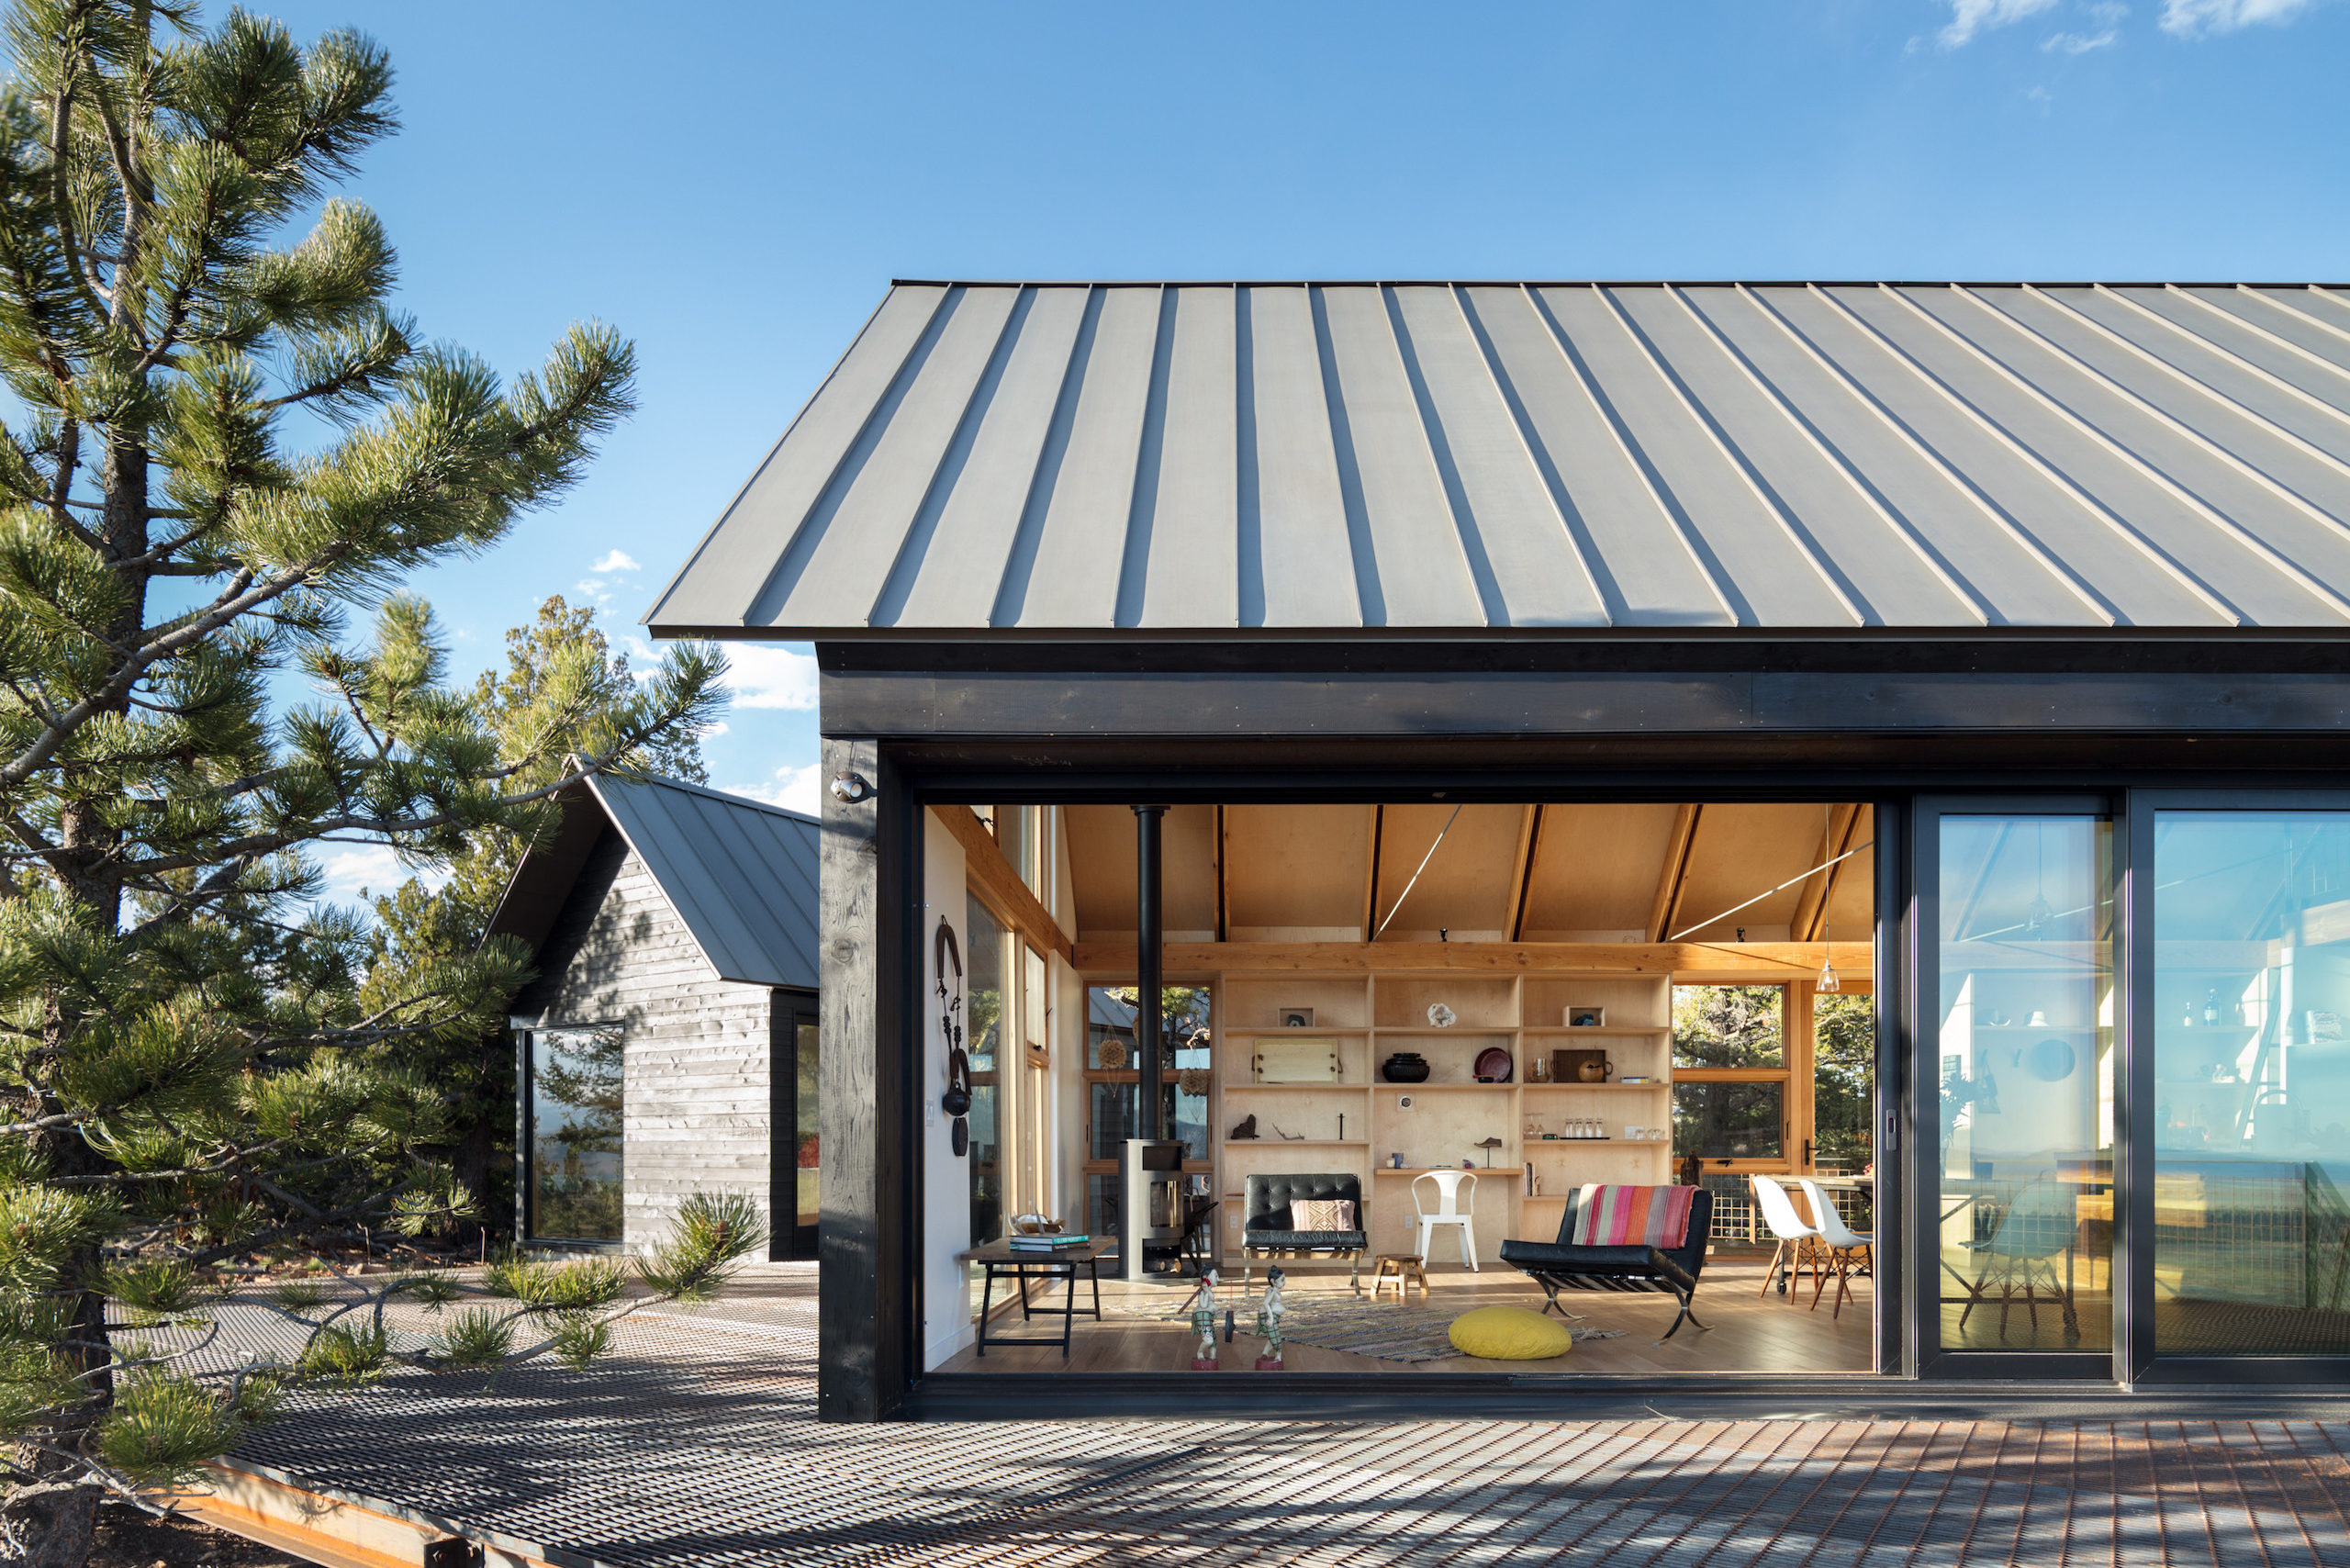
1238,459
740,873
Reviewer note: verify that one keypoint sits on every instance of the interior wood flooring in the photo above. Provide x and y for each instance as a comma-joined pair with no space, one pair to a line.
1747,1331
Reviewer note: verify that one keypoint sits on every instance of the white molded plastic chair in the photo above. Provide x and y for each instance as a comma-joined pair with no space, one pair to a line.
1842,1241
1452,1209
1797,1241
2037,1229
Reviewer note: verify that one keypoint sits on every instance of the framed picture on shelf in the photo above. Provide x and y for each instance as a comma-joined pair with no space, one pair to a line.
1297,1017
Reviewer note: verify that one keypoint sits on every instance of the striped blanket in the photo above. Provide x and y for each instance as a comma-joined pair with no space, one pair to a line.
1611,1216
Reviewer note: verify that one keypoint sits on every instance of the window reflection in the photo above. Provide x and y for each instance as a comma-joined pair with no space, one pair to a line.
2252,1074
2025,1084
574,1155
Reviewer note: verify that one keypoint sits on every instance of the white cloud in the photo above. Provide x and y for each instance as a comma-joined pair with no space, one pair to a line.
2195,19
2107,15
716,728
617,561
767,675
352,870
1970,17
793,789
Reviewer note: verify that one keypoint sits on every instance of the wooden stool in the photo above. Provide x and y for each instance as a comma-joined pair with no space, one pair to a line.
1400,1269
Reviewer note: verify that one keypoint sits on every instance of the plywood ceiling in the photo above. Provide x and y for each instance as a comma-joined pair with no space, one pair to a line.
1622,872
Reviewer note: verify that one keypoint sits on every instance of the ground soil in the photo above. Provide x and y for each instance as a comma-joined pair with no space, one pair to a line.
127,1539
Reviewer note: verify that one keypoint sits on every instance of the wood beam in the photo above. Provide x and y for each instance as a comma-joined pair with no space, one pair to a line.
1674,873
1797,1032
1521,877
998,882
1371,875
1811,903
1723,962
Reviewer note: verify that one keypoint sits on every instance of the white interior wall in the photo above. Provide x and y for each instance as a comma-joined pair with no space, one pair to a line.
946,1179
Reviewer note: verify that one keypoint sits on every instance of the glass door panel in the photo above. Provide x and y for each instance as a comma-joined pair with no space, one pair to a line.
2251,1083
2023,1048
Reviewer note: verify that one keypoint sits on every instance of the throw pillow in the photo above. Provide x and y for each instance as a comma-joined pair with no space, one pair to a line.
1321,1214
1510,1334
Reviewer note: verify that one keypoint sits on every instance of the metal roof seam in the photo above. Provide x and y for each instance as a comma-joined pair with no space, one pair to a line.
1142,496
1917,442
2213,346
2212,514
2047,471
773,452
2256,330
1035,505
905,562
1445,469
1735,458
1370,594
1820,444
1651,480
2331,295
1537,456
806,534
2303,316
2254,416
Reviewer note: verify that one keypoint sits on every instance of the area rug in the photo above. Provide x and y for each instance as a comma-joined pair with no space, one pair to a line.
1381,1328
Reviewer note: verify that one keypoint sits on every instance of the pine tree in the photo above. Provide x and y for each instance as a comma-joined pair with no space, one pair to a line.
229,449
418,921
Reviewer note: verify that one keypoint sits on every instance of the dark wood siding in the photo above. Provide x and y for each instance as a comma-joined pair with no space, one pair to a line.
696,1091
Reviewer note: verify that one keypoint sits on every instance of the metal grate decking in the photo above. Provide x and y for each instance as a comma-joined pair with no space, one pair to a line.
697,1443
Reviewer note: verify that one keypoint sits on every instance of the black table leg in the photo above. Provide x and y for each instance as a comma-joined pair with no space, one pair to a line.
986,1290
1068,1311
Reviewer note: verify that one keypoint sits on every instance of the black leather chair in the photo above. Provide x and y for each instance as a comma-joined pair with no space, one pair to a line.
1562,1265
1268,1229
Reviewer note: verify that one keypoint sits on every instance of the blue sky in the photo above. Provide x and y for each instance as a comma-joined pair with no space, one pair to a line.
733,185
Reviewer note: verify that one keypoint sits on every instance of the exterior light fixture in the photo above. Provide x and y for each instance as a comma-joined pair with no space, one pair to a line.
849,789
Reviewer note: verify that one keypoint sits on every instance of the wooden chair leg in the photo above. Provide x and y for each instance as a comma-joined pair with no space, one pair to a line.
1771,1272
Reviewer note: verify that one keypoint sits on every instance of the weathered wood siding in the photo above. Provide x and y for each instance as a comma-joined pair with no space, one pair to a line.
695,1105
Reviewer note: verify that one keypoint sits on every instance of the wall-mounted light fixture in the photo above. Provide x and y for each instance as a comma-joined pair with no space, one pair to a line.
849,789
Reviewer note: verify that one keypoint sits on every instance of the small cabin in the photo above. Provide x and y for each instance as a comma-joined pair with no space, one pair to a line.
668,1044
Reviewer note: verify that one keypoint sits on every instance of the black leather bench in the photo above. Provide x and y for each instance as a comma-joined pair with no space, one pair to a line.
1561,1265
1268,1229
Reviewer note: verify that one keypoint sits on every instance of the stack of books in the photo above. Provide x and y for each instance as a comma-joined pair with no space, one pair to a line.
1058,1243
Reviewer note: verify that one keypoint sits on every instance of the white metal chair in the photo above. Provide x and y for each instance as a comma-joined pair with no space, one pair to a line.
1451,1209
1798,1242
1842,1243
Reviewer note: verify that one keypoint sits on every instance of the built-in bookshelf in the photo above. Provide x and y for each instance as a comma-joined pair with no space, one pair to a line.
1387,1133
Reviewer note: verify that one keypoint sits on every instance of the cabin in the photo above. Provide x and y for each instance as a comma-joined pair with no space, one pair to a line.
668,1044
1379,777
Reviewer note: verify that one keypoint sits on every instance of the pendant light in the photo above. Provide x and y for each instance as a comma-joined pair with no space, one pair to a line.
1827,981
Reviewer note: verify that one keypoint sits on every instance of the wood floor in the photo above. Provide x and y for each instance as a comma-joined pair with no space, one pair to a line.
1746,1332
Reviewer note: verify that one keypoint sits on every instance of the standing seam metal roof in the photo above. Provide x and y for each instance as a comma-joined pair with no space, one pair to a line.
1224,457
741,874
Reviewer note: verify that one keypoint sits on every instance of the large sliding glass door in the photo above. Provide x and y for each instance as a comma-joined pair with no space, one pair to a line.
2250,1112
2015,1078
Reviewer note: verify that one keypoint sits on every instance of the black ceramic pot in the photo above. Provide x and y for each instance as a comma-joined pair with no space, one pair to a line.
1405,1067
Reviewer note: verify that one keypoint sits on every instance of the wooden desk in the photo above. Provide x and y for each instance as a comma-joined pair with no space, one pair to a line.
1002,1258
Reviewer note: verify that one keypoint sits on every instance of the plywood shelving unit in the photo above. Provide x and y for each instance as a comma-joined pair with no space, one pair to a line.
1437,1125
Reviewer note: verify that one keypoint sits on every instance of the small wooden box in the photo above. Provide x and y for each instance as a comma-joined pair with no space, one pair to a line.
1308,1058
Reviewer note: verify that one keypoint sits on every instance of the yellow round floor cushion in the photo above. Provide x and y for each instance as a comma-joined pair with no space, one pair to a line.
1510,1334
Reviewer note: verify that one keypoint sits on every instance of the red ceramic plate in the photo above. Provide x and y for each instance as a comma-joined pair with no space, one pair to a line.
1494,1063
